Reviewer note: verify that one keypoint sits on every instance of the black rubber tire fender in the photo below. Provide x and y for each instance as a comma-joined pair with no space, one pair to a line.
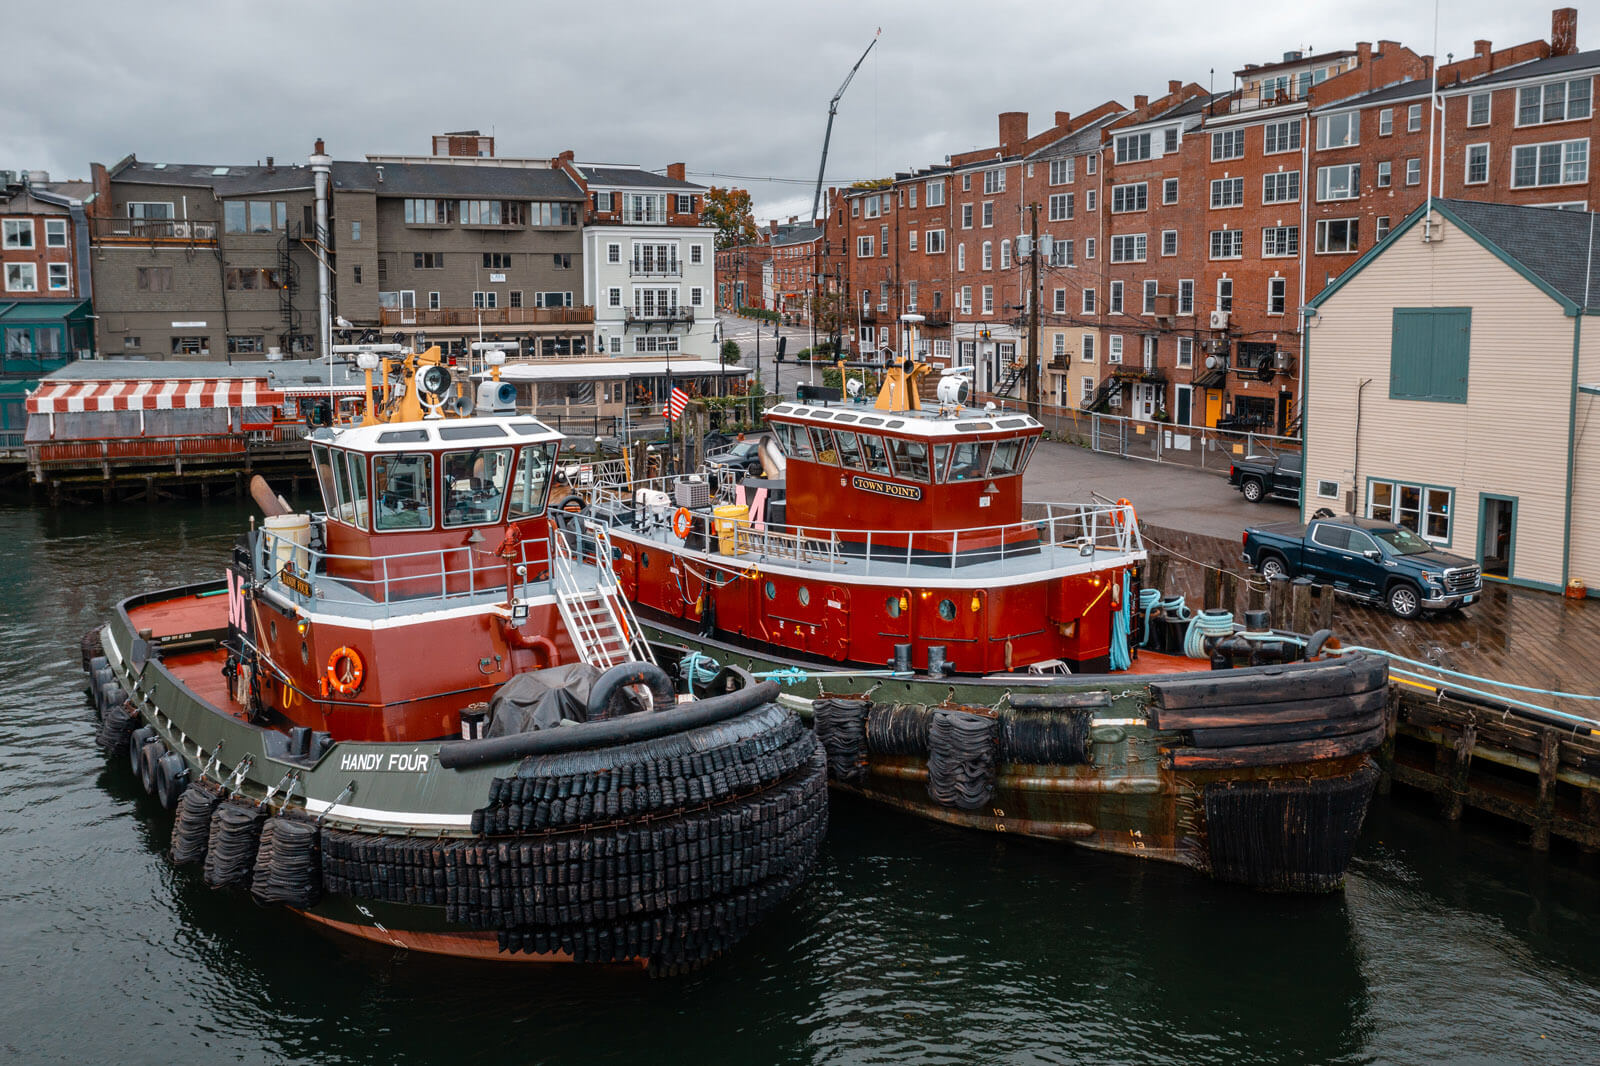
136,742
149,759
172,778
605,698
572,504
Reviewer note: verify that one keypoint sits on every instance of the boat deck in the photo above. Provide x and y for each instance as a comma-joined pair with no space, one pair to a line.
181,615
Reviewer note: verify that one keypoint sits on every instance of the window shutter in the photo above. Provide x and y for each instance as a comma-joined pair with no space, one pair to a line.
1429,350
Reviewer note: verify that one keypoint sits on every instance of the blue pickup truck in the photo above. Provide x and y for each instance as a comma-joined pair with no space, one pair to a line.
1376,561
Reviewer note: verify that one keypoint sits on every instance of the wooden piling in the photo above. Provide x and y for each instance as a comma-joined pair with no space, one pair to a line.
1545,808
1213,589
1460,765
1228,590
1322,611
1278,602
1300,605
1385,753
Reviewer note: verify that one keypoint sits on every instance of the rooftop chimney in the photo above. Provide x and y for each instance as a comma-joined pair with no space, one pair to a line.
380,173
1363,53
270,168
1141,102
1563,31
319,149
675,171
1386,47
1063,118
1482,48
1173,87
1013,130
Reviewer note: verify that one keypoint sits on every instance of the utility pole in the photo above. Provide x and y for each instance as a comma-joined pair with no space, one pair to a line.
1031,377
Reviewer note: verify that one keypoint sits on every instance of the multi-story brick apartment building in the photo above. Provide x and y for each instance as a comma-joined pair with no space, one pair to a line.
44,307
1186,233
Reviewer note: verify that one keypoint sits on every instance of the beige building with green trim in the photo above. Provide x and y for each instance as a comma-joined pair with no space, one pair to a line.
1446,388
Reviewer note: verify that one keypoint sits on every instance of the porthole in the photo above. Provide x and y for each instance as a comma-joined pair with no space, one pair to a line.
892,605
947,610
771,591
805,596
272,630
644,560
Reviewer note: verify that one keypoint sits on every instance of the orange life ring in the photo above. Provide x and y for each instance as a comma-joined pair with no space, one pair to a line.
1118,516
682,521
345,682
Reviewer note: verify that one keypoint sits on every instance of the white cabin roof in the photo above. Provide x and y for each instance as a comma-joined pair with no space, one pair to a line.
440,434
954,422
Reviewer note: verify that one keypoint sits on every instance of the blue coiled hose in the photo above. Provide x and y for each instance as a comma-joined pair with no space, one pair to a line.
1203,625
1150,601
1121,656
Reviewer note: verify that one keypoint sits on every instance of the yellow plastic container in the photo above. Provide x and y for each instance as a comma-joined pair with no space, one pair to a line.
727,520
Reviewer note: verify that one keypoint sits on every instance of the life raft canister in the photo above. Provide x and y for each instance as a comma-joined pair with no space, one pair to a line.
345,672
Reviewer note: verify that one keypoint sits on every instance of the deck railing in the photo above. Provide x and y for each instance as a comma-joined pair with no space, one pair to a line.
386,585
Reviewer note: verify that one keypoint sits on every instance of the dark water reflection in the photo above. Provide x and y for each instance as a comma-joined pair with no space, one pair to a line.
913,942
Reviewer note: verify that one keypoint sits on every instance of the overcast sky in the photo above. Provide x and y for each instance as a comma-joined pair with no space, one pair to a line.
728,88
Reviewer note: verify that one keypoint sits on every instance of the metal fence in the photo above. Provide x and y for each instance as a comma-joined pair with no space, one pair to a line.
1197,447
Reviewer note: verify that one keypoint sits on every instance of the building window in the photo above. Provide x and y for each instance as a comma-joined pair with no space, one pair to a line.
1061,171
988,213
1280,241
1185,353
1281,136
883,240
254,216
864,246
1381,230
1339,183
1149,305
355,230
434,302
1277,295
18,233
933,193
1005,255
1386,122
603,203
994,181
514,297
1227,192
961,255
1061,253
1557,101
1478,109
1339,130
245,345
1423,509
1169,242
1337,234
496,260
1384,178
485,300
55,233
1086,390
685,204
1557,163
966,216
1058,345
1090,162
1086,348
1169,191
153,279
1114,348
933,242
911,241
1088,247
644,208
1090,199
697,296
60,280
1414,171
191,346
1477,164
613,253
1428,353
966,299
614,297
1413,118
1226,144
1125,198
1169,140
1060,304
1132,147
988,255
1115,300
1227,244
355,274
131,344
1061,206
1280,188
1224,294
1128,248
1186,296
1088,301
427,260
988,299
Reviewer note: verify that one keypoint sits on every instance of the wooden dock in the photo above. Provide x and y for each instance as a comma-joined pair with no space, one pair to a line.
1468,751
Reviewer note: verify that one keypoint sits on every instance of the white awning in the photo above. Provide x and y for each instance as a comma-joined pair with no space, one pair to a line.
1593,390
619,370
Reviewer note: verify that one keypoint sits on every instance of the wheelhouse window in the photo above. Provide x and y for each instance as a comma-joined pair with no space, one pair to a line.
822,445
474,485
1010,456
403,491
849,450
531,482
970,461
910,458
874,455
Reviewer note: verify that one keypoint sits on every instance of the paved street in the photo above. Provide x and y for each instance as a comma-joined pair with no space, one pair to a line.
1163,495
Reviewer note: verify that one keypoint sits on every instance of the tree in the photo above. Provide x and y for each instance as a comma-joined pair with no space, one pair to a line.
729,211
730,351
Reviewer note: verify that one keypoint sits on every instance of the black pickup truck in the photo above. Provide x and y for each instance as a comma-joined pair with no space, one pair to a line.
1376,561
1260,476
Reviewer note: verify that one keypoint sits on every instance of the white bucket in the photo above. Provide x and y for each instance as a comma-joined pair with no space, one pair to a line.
292,543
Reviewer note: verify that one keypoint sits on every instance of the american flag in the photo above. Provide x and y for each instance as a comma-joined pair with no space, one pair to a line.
675,404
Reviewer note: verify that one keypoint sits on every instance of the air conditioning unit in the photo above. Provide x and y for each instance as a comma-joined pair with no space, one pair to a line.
205,230
180,229
1283,362
1219,320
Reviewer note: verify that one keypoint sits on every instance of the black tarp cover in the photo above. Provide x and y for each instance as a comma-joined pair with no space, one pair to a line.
542,699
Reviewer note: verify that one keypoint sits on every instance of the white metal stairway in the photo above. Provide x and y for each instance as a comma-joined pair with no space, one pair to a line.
602,625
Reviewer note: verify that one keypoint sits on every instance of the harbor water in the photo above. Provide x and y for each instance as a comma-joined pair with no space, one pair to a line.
912,943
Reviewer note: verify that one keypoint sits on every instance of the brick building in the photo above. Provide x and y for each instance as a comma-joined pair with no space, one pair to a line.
44,308
1185,233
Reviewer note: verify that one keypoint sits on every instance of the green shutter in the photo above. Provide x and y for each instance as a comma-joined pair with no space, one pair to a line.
1428,354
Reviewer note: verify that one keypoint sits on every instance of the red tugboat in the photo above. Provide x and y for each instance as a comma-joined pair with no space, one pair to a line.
975,661
418,719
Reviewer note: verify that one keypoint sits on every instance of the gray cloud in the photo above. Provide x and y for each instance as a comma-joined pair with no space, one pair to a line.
727,88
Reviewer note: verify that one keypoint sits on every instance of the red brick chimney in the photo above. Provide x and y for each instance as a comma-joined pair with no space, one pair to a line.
1363,53
675,171
1013,130
1141,102
1063,118
1386,47
1563,31
1173,87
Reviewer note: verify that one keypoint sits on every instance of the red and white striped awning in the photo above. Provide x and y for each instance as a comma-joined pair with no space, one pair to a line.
58,397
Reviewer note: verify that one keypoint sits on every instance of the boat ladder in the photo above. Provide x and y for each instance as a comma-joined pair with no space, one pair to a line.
597,615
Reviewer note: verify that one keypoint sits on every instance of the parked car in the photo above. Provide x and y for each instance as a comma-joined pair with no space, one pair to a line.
1372,560
742,458
1261,476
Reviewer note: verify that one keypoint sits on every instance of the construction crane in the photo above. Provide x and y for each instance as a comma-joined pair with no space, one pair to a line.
833,109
